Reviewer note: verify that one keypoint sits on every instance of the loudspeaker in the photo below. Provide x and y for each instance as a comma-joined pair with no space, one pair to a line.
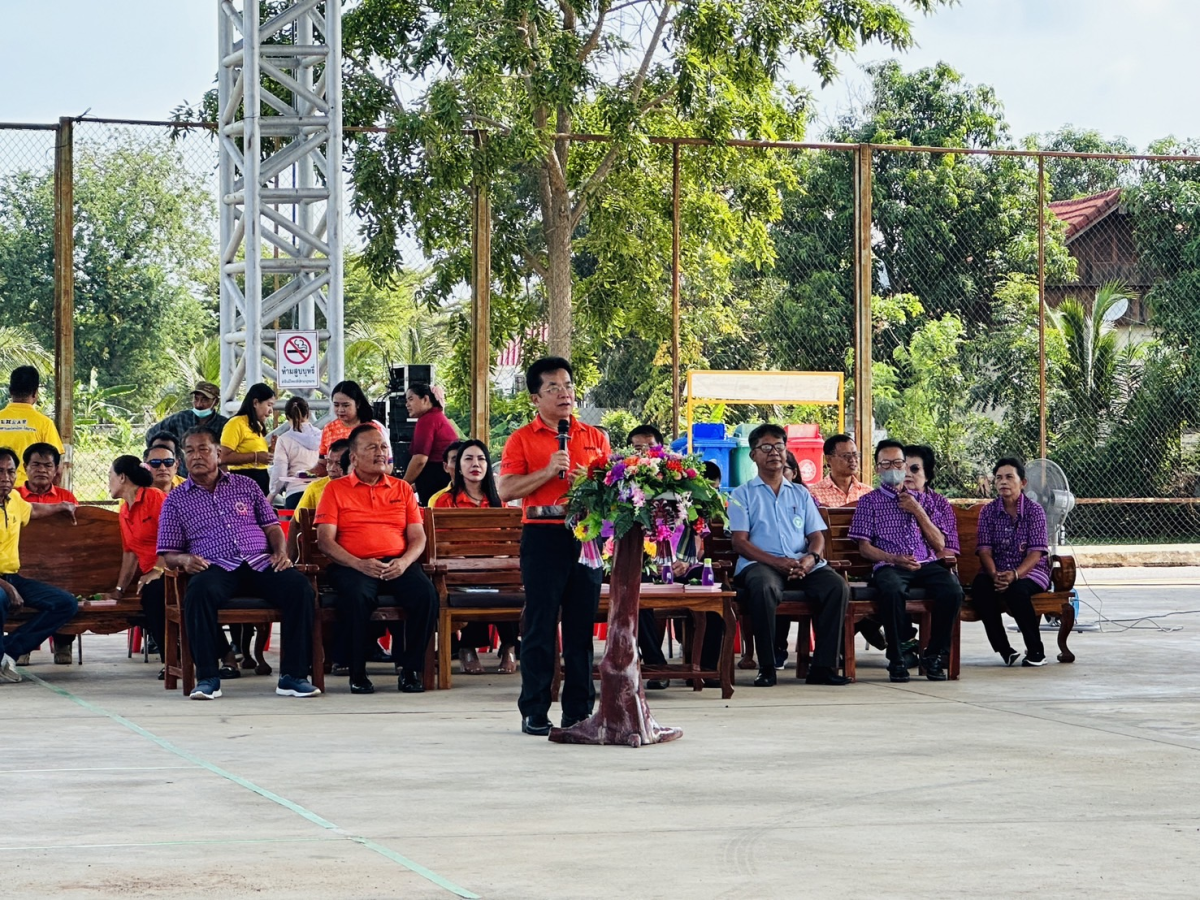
400,377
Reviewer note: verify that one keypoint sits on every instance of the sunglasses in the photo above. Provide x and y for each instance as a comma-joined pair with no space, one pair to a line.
159,463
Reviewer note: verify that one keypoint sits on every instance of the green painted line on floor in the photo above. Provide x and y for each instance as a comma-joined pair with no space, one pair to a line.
140,844
299,810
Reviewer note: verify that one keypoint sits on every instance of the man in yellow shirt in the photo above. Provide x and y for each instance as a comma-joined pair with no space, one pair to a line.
52,606
21,424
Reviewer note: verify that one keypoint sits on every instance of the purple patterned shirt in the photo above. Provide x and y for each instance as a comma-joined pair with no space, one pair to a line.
225,526
879,519
1010,540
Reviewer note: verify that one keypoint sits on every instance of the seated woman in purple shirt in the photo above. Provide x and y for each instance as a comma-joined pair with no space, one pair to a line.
1014,564
905,528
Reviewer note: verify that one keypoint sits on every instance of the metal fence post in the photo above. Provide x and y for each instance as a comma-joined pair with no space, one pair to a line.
1041,194
64,282
862,300
481,302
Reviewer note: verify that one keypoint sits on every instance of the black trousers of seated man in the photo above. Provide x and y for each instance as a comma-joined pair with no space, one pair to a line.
358,596
891,584
1019,600
288,591
764,588
555,581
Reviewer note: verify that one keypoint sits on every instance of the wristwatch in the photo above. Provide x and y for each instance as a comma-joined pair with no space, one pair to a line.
816,558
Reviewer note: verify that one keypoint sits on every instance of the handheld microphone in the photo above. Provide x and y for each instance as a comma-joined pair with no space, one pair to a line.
563,427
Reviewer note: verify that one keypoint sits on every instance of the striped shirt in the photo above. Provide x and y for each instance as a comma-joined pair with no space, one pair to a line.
1010,540
879,519
225,526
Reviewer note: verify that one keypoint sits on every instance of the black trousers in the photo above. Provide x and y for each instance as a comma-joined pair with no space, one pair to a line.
358,597
154,609
892,584
764,588
288,591
431,480
1019,600
555,581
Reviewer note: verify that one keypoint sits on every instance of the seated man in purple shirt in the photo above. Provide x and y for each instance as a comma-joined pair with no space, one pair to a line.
904,529
220,529
1014,565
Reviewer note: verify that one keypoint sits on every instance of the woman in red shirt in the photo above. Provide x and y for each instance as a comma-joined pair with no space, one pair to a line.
433,434
474,487
130,482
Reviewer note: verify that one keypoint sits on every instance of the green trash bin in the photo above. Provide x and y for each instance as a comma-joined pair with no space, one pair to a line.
742,468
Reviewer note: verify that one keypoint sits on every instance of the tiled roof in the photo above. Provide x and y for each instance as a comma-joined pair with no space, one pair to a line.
1085,212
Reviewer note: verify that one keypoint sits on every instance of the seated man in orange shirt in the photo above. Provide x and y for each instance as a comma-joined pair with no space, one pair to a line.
370,527
42,462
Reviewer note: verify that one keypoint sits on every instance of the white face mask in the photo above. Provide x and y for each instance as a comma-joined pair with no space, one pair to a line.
892,477
203,413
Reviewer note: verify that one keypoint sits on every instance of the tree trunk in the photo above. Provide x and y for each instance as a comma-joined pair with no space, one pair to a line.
557,225
622,716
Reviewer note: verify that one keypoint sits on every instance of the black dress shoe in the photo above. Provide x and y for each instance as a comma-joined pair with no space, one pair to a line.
362,687
537,725
934,670
657,684
825,675
766,678
897,672
568,721
411,682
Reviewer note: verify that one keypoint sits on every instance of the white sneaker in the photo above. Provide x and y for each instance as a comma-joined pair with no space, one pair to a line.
8,670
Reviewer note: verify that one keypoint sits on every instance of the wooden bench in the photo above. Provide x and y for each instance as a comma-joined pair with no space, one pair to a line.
317,563
83,558
475,564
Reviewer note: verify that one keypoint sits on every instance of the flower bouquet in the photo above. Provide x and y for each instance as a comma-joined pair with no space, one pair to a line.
659,490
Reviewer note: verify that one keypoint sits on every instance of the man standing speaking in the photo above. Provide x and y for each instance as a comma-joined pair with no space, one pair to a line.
536,468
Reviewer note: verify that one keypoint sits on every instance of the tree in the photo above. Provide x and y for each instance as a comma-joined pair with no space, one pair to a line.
1090,370
1068,177
144,261
528,71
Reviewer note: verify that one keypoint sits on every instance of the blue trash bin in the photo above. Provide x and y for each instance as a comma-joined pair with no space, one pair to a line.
710,444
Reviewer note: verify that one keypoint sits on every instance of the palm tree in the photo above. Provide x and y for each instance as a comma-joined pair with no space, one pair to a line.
1092,368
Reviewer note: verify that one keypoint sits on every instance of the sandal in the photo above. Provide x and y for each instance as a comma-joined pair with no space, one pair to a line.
508,661
470,661
227,672
263,668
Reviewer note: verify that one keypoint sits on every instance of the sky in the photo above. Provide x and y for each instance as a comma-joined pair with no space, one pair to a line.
1125,67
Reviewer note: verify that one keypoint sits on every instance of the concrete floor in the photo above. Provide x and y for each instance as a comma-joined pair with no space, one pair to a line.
1080,780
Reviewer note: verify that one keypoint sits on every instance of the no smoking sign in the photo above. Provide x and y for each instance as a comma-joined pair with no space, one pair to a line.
296,356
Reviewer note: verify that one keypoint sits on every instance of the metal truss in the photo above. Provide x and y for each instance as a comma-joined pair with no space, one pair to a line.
280,132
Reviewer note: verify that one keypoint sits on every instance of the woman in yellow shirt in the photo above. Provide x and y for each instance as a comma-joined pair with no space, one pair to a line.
244,439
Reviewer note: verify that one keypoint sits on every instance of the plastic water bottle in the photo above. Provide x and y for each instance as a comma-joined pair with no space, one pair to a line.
706,576
667,574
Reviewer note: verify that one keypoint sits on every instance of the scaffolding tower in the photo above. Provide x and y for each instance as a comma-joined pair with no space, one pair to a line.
280,135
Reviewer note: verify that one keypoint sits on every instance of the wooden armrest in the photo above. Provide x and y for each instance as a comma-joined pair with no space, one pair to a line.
838,563
306,568
1062,572
438,568
949,560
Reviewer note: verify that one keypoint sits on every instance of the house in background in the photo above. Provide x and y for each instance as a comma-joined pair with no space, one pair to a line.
1099,235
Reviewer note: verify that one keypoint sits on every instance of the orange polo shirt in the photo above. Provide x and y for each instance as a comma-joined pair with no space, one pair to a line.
56,494
370,518
447,500
139,526
530,447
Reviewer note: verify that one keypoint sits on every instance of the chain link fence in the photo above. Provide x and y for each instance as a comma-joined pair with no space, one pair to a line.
766,281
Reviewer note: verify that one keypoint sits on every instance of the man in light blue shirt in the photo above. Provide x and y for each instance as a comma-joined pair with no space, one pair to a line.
779,535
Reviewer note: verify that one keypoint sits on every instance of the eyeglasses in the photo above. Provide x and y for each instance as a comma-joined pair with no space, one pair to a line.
557,390
768,449
159,463
890,464
848,457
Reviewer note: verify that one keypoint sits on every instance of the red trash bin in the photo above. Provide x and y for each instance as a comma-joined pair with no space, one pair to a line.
807,445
